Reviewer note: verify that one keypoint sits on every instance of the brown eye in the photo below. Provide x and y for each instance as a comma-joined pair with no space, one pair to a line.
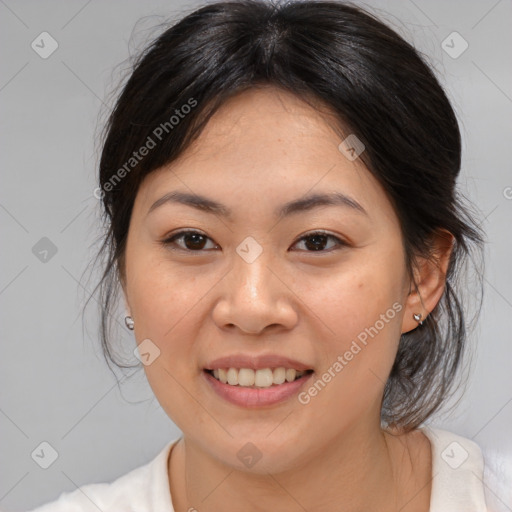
316,242
192,241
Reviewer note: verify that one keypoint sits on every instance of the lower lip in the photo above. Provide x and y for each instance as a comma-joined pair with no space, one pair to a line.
256,397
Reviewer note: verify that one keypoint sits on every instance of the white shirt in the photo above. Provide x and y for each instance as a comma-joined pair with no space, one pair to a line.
462,481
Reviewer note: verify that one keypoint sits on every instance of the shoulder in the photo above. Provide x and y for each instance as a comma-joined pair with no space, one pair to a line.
466,476
141,490
498,480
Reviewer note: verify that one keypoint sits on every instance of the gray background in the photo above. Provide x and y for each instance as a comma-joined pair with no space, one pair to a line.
54,384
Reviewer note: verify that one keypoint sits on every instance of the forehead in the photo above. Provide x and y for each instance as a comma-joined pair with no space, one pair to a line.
265,147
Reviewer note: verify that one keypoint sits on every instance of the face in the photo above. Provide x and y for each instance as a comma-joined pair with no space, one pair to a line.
258,284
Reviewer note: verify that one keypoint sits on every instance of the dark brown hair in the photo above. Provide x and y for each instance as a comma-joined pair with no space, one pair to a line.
336,57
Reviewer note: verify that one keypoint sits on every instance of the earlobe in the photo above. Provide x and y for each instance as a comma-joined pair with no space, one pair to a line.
128,320
429,281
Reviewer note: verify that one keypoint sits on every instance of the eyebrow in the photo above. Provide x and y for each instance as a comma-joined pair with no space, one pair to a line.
303,204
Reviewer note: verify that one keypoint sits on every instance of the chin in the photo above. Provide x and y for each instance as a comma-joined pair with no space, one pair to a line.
259,454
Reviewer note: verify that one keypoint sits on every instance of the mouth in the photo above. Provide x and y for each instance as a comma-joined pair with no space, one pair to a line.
257,379
260,388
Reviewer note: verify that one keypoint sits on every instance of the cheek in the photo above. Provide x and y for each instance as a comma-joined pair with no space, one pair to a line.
163,302
357,350
163,299
351,300
359,314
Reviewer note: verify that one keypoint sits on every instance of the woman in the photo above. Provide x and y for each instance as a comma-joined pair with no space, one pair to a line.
279,186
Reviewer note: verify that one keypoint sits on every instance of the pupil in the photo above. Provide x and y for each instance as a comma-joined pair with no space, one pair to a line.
318,244
194,240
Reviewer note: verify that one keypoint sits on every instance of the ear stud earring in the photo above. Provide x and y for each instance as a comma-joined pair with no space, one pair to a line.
128,320
417,317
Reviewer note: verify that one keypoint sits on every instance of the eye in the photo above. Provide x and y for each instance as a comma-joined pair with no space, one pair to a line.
317,241
194,241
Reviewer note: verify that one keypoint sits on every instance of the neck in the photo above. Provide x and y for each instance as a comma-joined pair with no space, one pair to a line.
364,470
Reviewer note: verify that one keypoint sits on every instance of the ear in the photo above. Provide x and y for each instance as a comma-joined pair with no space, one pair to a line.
429,280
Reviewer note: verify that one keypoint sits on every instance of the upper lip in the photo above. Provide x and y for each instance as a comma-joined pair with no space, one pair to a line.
256,362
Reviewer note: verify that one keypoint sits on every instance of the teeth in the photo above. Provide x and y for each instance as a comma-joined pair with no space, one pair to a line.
246,377
232,375
290,374
262,378
222,376
279,375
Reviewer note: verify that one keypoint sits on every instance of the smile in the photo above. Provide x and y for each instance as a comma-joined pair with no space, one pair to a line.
261,378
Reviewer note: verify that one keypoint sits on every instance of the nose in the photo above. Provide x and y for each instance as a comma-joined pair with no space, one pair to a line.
254,297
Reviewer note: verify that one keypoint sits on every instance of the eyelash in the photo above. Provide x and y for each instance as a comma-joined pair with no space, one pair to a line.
170,241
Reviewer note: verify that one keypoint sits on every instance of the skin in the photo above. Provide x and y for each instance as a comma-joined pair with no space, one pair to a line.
265,147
